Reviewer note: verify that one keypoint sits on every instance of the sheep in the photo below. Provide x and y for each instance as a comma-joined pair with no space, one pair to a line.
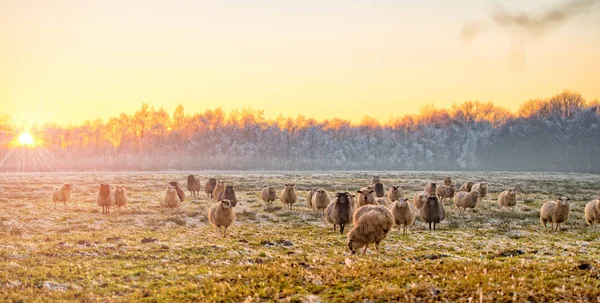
218,188
404,214
120,197
420,198
592,213
193,186
381,201
465,200
365,196
170,200
375,180
432,211
228,194
445,191
288,195
379,191
269,194
62,194
309,195
447,181
371,225
220,215
466,186
394,193
508,198
209,187
180,192
555,212
430,188
106,199
339,211
482,188
320,200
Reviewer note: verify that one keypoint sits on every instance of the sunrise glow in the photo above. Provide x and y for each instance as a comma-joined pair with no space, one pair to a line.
25,139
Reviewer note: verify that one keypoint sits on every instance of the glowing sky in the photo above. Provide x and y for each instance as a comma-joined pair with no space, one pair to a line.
69,61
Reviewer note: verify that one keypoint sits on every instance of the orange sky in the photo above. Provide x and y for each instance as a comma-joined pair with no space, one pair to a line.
69,61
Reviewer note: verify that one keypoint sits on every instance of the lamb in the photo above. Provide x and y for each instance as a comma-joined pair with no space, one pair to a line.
222,215
431,188
193,186
288,195
170,200
482,188
309,195
120,197
62,194
320,200
420,198
106,199
466,186
269,194
394,193
508,198
445,191
404,214
218,188
447,181
209,187
371,225
339,211
180,192
228,194
432,211
466,200
365,196
592,213
555,212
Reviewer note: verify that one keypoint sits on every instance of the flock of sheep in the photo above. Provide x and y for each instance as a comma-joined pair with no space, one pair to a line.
370,213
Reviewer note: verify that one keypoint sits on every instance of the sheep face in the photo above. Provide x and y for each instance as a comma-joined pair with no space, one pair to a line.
321,191
104,190
396,187
375,180
447,180
174,184
432,200
343,198
68,185
226,204
171,190
120,189
353,246
512,192
271,189
289,185
563,201
191,178
476,194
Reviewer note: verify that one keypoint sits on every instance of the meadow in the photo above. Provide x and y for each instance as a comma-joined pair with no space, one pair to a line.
149,254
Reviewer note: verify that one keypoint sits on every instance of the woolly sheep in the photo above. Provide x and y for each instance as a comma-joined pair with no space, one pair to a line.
193,186
508,198
445,191
420,198
221,215
381,201
269,194
394,193
432,211
170,200
466,186
447,181
482,188
228,194
404,214
209,187
339,211
379,191
371,225
592,213
320,200
431,188
218,188
464,200
555,212
180,192
62,194
120,197
106,199
365,196
288,195
309,195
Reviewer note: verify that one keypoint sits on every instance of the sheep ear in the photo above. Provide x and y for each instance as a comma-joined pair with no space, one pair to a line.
338,194
568,199
371,191
405,199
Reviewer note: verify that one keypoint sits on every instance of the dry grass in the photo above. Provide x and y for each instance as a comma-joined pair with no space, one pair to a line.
146,253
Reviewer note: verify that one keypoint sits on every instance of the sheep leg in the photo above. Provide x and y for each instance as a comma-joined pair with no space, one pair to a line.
365,250
224,232
334,227
342,228
429,225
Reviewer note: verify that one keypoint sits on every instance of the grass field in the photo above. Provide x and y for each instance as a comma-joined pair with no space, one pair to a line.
146,253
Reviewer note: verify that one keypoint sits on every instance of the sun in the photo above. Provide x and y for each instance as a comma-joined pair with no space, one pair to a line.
26,139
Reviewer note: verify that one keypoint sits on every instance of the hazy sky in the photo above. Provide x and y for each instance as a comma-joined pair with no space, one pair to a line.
69,61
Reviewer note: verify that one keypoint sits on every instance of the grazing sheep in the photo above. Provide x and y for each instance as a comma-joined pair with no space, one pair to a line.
170,200
466,186
309,195
404,214
180,192
447,181
420,198
394,193
320,200
218,188
339,211
228,194
365,196
465,200
220,215
288,195
592,213
482,188
62,194
209,187
269,194
431,188
555,212
371,225
193,186
445,191
120,197
508,198
106,199
432,211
